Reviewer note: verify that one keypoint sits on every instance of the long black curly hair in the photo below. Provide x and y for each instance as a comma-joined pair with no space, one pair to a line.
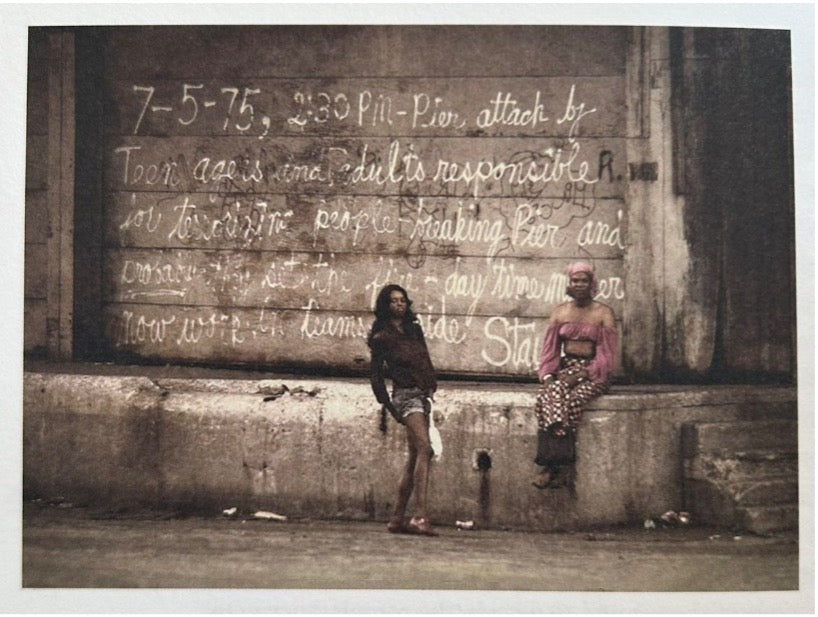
383,316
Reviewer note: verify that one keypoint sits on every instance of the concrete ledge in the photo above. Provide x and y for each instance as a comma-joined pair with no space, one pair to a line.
733,437
768,519
316,450
743,466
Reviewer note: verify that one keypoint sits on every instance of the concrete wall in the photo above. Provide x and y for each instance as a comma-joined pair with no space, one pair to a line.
317,451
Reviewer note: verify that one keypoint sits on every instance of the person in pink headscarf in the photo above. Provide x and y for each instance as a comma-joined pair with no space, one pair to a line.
577,359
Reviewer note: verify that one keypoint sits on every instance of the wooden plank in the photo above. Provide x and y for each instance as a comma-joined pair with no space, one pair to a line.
36,162
66,192
456,167
297,280
418,107
36,270
637,109
37,83
36,217
34,325
54,170
498,345
431,50
515,227
60,195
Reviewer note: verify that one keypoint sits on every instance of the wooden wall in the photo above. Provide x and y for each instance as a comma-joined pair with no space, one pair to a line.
238,195
36,218
262,184
49,183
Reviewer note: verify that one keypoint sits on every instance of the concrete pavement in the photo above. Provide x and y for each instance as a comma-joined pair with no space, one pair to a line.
65,547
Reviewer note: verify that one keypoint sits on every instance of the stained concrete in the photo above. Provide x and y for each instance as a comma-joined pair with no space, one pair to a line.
69,549
131,436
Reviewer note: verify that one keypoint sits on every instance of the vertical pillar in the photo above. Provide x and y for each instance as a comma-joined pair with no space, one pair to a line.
60,195
644,262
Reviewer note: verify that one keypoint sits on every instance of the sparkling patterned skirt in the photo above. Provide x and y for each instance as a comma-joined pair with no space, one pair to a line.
558,407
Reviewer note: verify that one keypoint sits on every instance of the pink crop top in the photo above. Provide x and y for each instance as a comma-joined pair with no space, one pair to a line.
604,361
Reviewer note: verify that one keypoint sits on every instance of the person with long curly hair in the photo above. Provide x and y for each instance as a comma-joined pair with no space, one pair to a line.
399,351
577,359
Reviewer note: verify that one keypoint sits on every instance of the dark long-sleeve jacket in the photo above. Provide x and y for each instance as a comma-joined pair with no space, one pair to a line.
404,359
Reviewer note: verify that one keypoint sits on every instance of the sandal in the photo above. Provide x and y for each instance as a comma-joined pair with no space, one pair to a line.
543,480
396,526
420,525
560,480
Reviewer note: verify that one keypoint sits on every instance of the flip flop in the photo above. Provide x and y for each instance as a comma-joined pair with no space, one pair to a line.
396,527
420,526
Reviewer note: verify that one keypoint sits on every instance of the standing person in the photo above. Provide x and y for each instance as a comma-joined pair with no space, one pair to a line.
577,359
399,351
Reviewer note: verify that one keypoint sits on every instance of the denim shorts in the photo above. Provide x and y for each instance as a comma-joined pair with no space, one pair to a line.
407,401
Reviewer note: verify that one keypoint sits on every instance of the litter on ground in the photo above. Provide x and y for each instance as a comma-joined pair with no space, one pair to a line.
269,516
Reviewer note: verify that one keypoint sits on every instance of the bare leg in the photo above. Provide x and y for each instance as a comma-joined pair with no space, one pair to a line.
417,430
405,487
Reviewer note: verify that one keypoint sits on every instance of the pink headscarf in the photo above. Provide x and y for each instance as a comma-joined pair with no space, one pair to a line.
582,266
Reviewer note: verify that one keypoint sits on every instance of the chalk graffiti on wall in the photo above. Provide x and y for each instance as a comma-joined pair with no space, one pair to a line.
261,223
255,111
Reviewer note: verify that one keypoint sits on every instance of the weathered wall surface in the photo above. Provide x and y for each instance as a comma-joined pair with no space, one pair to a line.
252,210
49,220
36,220
645,260
747,192
717,216
206,231
316,450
